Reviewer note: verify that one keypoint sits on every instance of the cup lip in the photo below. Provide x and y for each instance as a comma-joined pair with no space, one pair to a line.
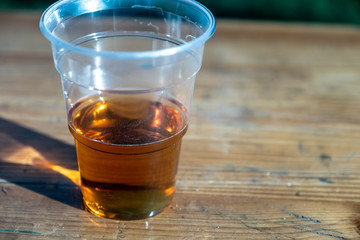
128,55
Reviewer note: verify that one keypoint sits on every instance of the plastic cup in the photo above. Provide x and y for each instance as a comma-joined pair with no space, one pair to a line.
127,69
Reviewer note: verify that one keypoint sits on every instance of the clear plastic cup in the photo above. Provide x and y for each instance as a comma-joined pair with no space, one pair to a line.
127,69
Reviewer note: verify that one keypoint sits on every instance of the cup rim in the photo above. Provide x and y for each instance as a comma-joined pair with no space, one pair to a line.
129,54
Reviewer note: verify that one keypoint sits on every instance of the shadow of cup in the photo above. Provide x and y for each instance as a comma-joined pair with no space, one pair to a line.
38,163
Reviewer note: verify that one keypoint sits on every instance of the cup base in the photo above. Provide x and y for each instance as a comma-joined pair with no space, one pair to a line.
125,215
117,201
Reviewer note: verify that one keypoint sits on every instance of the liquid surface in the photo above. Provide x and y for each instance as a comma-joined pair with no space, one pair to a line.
127,120
128,151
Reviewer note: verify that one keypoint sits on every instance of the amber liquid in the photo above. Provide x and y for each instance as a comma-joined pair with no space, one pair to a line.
128,149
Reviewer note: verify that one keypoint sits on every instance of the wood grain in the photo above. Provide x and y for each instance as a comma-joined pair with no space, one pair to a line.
272,151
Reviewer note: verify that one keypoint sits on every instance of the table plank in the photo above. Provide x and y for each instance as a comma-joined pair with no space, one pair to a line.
272,150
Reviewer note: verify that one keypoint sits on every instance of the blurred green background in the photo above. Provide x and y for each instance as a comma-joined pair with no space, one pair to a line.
328,11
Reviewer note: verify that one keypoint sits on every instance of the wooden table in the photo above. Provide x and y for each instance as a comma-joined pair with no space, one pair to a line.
272,151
